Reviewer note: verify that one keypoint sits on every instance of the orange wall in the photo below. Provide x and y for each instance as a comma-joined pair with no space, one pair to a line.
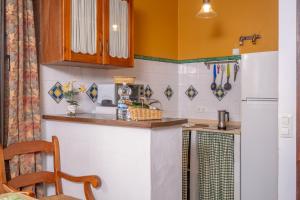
169,28
156,28
199,38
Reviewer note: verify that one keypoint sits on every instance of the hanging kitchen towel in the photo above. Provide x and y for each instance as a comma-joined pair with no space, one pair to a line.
216,166
185,164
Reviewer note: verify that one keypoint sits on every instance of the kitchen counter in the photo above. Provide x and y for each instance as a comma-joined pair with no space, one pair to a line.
211,126
110,120
135,159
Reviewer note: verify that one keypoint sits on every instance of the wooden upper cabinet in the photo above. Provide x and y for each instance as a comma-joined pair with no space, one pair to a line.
95,33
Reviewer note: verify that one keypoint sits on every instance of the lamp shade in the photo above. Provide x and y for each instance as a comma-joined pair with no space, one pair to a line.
206,11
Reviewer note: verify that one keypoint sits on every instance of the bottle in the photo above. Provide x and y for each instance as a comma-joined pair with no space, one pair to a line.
124,92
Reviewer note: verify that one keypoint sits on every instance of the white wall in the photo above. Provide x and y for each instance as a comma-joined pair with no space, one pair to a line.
158,75
133,163
287,97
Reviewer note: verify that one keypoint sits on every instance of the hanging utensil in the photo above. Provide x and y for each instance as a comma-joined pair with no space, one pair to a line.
236,70
227,85
218,67
222,75
219,92
214,84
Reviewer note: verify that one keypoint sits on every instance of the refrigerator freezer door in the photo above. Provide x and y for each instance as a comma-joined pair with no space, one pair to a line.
259,72
259,150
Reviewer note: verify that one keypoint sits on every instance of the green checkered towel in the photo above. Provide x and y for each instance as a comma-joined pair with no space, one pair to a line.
216,166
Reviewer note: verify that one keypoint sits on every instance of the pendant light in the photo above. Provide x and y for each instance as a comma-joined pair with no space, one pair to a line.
206,11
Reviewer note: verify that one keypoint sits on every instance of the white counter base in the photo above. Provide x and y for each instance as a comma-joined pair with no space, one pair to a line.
133,163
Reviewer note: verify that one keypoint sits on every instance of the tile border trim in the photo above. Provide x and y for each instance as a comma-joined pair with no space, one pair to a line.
150,58
196,60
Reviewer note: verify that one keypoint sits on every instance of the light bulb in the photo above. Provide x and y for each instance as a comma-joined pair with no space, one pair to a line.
115,27
206,7
206,11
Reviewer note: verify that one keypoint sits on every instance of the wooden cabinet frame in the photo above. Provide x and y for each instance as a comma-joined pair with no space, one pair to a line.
55,35
119,61
79,57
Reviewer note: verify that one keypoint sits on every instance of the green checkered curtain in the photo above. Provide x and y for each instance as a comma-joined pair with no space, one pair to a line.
216,166
185,164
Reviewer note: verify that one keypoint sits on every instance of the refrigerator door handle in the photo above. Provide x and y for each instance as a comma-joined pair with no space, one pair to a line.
260,99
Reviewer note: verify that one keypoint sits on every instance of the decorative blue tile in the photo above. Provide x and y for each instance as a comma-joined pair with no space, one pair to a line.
191,92
148,92
92,92
169,92
56,92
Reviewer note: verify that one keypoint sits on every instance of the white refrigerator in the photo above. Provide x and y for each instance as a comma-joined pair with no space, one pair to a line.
259,134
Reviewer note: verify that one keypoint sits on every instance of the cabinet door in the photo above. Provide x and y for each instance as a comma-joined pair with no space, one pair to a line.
118,32
83,31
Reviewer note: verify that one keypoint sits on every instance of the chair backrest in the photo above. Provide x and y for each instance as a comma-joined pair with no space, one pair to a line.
37,177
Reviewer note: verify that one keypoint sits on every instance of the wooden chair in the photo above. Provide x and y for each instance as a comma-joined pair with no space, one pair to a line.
4,189
44,176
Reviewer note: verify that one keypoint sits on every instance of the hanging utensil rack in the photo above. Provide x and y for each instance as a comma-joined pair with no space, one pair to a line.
220,62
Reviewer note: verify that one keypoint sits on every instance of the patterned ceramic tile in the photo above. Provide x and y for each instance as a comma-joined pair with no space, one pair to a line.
169,92
92,92
220,93
148,92
56,92
191,92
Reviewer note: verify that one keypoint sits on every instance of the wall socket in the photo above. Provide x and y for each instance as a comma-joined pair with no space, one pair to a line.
201,110
285,126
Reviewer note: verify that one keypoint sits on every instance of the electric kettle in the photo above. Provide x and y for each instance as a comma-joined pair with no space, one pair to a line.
223,117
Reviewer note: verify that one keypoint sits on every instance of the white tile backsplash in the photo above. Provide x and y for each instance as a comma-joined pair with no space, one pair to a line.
158,75
205,105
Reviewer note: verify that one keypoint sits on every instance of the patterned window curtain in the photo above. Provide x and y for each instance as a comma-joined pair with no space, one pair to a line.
2,64
22,117
216,166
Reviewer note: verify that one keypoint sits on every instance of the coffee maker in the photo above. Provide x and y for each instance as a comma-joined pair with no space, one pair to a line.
223,117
